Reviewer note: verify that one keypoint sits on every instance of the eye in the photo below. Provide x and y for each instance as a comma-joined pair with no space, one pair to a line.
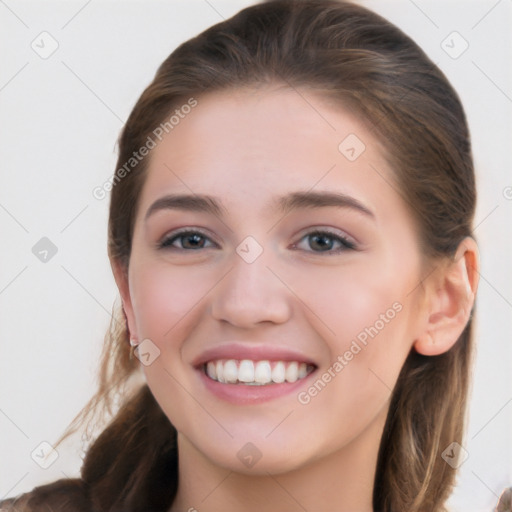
189,240
319,241
325,241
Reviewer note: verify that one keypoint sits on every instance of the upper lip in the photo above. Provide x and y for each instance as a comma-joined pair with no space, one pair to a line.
252,352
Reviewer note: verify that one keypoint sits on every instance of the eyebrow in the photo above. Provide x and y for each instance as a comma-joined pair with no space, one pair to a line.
283,204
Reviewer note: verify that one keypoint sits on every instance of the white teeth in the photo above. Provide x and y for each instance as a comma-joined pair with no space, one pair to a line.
256,373
210,370
292,372
246,371
263,372
230,373
279,372
219,369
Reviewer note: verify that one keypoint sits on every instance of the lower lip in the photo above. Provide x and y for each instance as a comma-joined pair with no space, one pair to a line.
242,394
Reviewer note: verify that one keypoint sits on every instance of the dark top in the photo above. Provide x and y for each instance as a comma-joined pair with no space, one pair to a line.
65,495
69,495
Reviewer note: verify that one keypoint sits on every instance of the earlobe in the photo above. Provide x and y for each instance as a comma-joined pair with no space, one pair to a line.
121,278
451,291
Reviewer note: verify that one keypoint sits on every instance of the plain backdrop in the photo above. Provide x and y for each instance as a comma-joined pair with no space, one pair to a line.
61,116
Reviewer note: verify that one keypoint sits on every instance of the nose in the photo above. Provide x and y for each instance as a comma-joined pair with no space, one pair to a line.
251,293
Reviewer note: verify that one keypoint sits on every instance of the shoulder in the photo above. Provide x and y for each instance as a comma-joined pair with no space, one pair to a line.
65,495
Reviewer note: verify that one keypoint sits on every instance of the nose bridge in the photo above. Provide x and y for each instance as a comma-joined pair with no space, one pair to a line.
250,293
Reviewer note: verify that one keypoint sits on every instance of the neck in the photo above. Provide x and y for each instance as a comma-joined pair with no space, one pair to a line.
342,481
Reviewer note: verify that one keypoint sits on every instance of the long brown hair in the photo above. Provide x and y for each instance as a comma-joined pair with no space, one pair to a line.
356,57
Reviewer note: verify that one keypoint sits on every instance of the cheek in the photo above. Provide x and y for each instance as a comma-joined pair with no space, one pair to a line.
165,296
168,300
366,352
347,301
364,316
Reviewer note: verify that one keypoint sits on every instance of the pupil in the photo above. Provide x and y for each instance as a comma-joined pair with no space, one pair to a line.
322,245
196,240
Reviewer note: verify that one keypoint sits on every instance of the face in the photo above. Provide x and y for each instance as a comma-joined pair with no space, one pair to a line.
280,299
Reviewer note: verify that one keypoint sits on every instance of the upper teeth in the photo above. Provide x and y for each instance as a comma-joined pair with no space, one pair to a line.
256,372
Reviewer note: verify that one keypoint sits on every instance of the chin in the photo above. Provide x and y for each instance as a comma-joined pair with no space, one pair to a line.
251,460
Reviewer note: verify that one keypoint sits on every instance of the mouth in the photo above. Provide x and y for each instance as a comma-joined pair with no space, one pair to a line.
247,372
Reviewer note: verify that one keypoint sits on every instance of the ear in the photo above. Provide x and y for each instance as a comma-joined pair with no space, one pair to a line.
120,272
451,291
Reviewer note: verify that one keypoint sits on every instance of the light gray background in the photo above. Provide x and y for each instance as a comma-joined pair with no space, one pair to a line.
60,120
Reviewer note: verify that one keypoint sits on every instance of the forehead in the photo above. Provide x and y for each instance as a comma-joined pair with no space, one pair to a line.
255,141
266,118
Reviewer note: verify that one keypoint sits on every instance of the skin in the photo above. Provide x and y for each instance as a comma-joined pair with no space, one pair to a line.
245,147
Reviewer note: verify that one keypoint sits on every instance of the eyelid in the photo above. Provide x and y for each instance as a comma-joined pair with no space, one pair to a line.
335,232
182,231
346,242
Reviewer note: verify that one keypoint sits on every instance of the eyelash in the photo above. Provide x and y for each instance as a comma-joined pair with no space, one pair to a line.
345,243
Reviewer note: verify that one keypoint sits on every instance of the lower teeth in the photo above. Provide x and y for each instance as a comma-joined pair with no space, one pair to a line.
248,384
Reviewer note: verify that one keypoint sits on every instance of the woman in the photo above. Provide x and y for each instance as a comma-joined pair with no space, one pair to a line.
290,231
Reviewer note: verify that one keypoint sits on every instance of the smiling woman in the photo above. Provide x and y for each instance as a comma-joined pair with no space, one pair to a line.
305,231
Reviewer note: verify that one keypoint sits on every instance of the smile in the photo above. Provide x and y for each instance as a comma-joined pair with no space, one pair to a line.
256,373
